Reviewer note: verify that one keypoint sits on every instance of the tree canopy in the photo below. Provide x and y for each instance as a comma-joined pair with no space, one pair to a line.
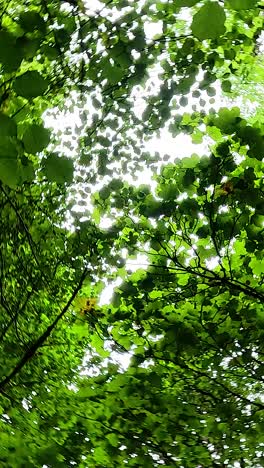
169,369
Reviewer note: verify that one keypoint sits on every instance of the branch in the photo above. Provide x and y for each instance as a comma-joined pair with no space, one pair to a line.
39,342
29,238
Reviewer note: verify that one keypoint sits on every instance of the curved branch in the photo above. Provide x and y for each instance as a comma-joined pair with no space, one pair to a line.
39,342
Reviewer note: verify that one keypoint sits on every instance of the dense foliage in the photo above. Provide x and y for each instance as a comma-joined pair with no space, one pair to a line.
170,371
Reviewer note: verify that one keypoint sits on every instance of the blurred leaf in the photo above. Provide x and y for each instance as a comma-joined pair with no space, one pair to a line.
9,172
31,21
241,4
30,85
35,138
58,169
209,21
10,55
8,148
8,126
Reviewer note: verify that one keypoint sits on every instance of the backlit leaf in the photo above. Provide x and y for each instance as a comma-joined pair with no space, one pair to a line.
30,85
58,169
35,138
209,21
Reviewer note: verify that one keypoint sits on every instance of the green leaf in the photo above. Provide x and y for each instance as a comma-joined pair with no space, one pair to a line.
36,138
209,22
116,184
31,21
257,266
226,86
258,220
96,215
100,456
113,439
50,51
28,46
169,192
183,101
189,206
188,178
8,148
214,133
8,126
197,136
10,55
191,162
139,42
155,294
98,344
105,193
184,3
241,4
227,119
12,173
103,141
30,85
27,172
58,169
203,231
113,74
9,172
